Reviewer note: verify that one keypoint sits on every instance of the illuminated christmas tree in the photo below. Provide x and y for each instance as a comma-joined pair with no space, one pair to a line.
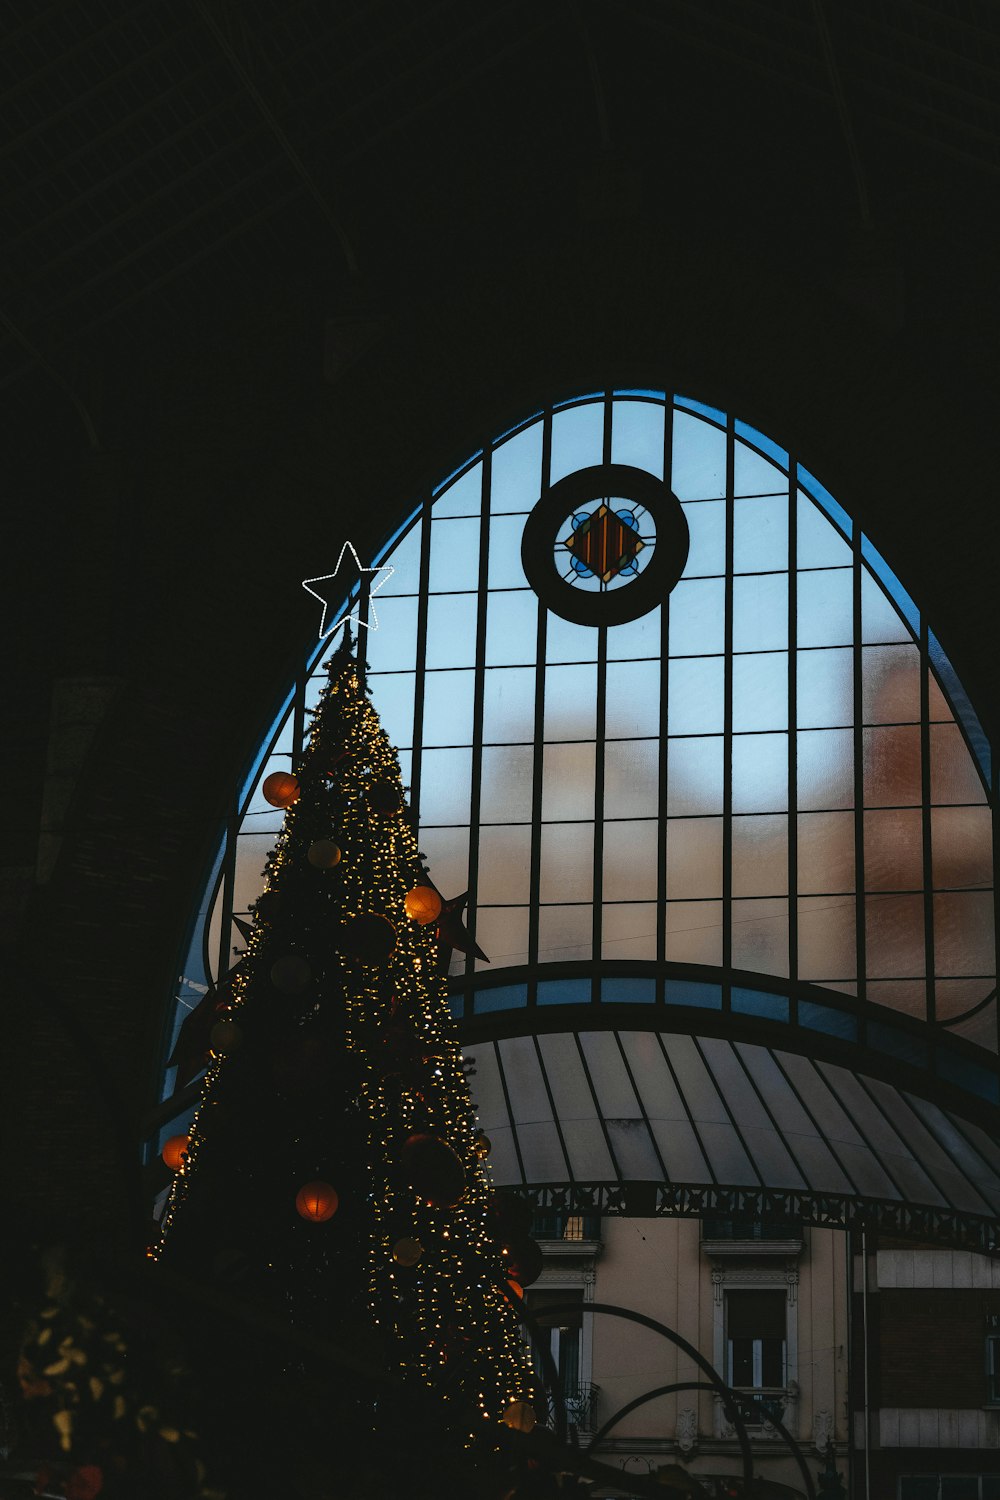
334,1173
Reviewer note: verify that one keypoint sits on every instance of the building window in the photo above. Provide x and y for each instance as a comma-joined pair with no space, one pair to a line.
950,1487
993,1369
756,1345
563,1331
746,1227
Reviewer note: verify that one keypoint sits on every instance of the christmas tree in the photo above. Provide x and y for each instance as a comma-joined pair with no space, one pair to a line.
333,1173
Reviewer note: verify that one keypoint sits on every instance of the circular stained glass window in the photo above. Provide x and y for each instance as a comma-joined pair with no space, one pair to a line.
605,545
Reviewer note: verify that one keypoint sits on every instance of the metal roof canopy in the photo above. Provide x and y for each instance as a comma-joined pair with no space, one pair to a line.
649,1123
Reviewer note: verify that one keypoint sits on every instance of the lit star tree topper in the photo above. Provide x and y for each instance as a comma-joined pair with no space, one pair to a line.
340,582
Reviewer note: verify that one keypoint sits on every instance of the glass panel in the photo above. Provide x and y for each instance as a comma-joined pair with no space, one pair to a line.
760,613
630,861
451,630
516,478
824,688
567,642
509,705
504,563
504,997
959,1487
502,933
632,706
825,768
393,646
511,628
695,687
760,535
760,936
405,560
392,695
697,617
894,854
894,941
637,435
891,684
447,708
618,991
825,1018
571,702
577,991
445,777
259,804
631,778
446,852
694,858
760,691
953,997
504,865
818,543
954,777
760,1003
694,933
892,767
508,771
567,867
961,845
909,996
937,703
454,556
827,938
463,498
980,1029
689,992
879,619
760,772
963,933
825,609
699,459
760,856
629,931
568,783
577,439
707,530
826,852
565,933
635,638
754,475
694,776
252,850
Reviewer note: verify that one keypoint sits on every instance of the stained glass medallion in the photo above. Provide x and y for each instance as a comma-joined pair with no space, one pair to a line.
607,546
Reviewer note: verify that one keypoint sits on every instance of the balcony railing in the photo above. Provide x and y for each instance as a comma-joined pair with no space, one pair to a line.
581,1402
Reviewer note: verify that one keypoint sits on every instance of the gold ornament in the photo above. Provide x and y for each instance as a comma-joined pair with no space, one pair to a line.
520,1416
324,854
406,1252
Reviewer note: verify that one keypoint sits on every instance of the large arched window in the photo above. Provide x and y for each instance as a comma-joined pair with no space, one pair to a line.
757,787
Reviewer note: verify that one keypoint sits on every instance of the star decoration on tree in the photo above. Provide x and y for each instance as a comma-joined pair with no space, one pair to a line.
344,583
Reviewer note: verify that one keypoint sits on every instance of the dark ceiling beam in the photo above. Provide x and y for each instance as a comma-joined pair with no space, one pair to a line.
843,109
30,81
39,359
871,24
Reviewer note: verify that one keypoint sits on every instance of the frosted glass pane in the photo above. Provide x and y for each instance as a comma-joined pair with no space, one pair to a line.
760,856
462,498
760,691
894,855
963,933
694,932
252,850
760,535
635,638
511,629
509,704
818,542
505,795
824,688
454,556
447,708
826,852
695,687
504,564
880,620
568,783
894,940
825,768
405,561
632,699
760,613
502,933
577,439
567,642
516,481
760,936
694,776
890,684
825,608
707,531
760,772
827,938
393,646
954,777
445,779
637,435
567,865
446,851
504,866
953,996
937,703
892,767
980,1029
631,778
630,861
699,459
961,846
694,858
697,617
629,931
571,702
451,630
754,475
564,933
906,995
392,696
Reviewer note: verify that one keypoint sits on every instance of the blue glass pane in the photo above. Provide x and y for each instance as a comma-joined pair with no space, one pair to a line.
760,691
393,646
637,435
507,997
567,642
699,459
707,533
451,630
511,628
818,542
505,795
509,705
633,699
454,556
760,535
629,991
760,612
825,766
636,638
897,1043
571,702
694,776
880,620
577,439
516,481
966,1074
446,481
392,695
759,440
826,501
689,992
456,1004
505,570
824,688
760,1003
712,412
697,617
565,991
444,786
463,498
695,695
825,606
405,563
760,772
891,583
754,475
828,1020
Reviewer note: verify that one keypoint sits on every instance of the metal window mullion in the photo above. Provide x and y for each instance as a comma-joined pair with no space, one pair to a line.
599,755
228,889
478,698
364,614
682,1096
925,823
299,719
727,723
793,713
821,1133
538,766
664,768
555,1113
597,1109
421,659
857,659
